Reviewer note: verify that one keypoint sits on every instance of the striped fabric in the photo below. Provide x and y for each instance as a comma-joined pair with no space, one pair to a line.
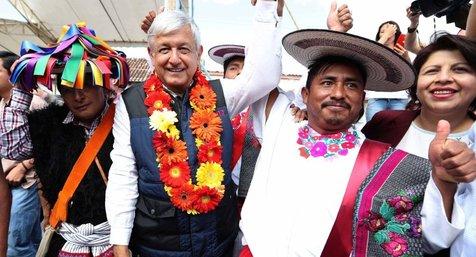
85,240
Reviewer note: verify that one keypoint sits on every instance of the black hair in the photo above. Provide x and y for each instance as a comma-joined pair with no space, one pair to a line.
229,60
322,64
397,33
88,78
445,41
8,58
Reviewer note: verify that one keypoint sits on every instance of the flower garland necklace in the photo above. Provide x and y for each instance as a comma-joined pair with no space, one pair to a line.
172,153
326,146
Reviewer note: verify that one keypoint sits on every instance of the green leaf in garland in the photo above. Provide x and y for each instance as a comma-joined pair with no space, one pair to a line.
386,211
381,236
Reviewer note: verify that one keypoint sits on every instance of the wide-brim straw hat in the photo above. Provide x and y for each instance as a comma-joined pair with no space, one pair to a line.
386,70
221,53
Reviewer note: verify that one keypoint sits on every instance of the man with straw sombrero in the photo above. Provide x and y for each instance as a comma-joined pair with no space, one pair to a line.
70,143
320,188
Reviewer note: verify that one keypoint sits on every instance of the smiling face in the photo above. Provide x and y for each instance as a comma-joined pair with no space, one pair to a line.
176,57
446,83
334,98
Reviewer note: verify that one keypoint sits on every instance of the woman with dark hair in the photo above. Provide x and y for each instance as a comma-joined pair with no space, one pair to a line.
388,34
445,90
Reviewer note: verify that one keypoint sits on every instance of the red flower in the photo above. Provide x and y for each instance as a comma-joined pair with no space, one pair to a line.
152,83
183,197
160,140
348,145
334,136
201,80
333,148
210,152
207,199
175,175
401,204
157,100
374,221
303,152
402,217
397,246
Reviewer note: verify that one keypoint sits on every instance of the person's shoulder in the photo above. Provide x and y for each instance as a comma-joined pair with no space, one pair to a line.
392,114
49,114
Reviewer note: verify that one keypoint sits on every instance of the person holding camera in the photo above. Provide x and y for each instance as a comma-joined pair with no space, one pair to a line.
412,41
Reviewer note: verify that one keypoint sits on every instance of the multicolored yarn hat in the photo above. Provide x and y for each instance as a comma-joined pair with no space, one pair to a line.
77,51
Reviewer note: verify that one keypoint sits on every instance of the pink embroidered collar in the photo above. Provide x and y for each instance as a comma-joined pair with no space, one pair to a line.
317,145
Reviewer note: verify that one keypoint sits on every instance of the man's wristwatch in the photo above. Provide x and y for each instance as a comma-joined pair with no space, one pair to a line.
411,30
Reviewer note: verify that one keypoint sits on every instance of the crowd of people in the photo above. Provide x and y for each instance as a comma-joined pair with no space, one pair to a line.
182,165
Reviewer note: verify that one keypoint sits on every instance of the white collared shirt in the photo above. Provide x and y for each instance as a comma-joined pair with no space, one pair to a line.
261,73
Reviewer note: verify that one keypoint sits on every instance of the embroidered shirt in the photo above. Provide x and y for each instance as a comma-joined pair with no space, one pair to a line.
292,202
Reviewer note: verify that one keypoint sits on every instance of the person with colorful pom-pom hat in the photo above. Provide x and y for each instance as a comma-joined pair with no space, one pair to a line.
71,142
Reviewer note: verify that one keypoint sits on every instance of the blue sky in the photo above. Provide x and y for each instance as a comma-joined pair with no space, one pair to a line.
228,21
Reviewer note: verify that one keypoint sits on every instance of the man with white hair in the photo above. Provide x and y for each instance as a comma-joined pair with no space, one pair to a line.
170,182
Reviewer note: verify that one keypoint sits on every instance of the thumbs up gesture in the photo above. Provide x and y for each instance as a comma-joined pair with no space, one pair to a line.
339,19
452,161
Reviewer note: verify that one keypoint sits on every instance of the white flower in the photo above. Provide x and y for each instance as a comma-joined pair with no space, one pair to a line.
162,120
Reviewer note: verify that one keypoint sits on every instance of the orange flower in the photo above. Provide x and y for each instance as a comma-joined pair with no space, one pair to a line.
210,152
207,199
174,151
175,175
157,100
206,125
203,97
183,197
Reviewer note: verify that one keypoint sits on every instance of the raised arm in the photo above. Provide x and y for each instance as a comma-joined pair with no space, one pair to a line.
471,23
412,42
262,69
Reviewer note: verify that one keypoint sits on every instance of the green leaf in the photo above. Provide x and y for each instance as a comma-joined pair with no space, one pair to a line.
416,199
386,211
381,236
398,228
